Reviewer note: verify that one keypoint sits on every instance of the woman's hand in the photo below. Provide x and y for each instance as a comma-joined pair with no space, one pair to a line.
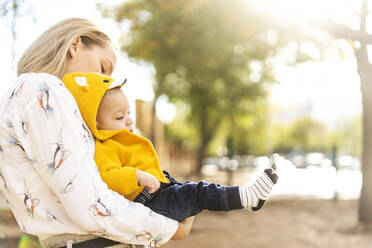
184,228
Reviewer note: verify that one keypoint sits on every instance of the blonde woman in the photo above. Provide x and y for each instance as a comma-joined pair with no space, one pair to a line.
47,169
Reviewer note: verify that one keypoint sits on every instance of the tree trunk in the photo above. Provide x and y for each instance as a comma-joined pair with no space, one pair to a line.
201,153
153,122
157,92
365,73
205,138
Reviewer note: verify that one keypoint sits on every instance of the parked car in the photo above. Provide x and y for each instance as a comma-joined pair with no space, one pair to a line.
281,163
299,161
261,162
220,162
244,161
314,159
347,162
210,160
317,159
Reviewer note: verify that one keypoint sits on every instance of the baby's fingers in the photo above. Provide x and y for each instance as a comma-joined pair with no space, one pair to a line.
154,186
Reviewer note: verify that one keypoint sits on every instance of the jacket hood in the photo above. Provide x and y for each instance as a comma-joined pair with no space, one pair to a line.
88,90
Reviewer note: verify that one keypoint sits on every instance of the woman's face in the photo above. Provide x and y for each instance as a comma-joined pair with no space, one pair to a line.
90,59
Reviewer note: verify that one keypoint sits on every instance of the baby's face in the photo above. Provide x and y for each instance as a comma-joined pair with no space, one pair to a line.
113,112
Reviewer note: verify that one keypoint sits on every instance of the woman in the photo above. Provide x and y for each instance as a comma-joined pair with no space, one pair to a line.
47,166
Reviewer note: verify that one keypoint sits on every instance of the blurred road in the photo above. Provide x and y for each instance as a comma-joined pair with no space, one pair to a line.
312,182
319,182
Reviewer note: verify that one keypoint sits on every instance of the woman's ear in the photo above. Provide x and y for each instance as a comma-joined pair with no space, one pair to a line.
97,124
74,47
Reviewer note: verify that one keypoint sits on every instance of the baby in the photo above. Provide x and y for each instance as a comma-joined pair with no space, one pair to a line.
129,164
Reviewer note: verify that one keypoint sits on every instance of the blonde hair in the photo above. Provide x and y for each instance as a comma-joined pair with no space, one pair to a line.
48,53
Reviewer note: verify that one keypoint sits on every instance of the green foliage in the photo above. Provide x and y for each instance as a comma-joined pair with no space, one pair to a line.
249,132
347,136
245,134
209,54
179,132
199,48
213,56
309,135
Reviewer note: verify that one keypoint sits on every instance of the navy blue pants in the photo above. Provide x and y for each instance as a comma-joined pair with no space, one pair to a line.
181,200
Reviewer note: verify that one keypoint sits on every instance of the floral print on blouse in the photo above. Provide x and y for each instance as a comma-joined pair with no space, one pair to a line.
48,174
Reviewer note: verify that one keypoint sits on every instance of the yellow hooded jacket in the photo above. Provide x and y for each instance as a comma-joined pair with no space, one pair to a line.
118,153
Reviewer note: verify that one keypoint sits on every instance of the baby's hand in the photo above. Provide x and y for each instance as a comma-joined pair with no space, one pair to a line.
146,179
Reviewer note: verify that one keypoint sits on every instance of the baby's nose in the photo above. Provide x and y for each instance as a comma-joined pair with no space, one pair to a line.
129,122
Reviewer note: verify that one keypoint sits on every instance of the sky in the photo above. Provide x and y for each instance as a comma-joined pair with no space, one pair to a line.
327,90
48,12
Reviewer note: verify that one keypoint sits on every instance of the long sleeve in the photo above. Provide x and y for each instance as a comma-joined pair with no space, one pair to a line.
51,132
119,178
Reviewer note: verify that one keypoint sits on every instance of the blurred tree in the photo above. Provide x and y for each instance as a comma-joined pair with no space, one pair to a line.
308,135
249,131
301,135
361,39
210,54
304,135
179,132
347,136
10,12
241,134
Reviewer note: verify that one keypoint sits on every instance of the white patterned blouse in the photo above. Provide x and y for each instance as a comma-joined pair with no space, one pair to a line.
48,174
